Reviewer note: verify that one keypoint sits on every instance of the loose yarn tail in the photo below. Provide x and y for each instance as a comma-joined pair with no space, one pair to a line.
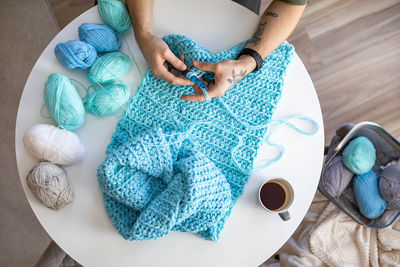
280,123
86,89
133,57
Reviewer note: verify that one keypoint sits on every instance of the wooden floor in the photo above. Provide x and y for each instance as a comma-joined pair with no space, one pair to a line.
351,49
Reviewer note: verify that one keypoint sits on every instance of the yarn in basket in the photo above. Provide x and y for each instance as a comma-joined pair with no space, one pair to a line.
336,177
359,155
368,197
389,185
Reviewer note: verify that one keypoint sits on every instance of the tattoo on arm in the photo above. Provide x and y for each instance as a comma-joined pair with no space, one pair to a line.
272,14
236,77
256,37
260,30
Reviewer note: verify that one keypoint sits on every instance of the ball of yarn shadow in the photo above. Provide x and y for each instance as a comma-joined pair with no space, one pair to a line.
102,37
115,15
107,101
359,155
49,143
389,185
50,185
368,197
109,68
336,177
75,54
63,102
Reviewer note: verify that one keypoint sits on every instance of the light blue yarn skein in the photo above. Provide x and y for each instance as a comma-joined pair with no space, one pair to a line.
75,54
369,199
359,155
63,102
107,101
115,15
109,68
102,37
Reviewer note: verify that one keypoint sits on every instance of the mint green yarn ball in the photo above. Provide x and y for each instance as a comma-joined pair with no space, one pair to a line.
109,68
359,155
115,14
63,102
107,101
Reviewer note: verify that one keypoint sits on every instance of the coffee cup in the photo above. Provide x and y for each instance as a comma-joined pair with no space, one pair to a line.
276,195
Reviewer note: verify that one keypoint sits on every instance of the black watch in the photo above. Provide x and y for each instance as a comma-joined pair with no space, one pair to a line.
254,54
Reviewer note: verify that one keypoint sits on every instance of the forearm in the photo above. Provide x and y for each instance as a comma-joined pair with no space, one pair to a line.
276,24
141,12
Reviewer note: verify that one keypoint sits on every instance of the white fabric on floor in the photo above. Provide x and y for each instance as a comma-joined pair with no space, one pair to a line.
328,237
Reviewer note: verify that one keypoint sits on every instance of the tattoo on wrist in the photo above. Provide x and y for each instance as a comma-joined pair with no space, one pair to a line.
272,14
236,77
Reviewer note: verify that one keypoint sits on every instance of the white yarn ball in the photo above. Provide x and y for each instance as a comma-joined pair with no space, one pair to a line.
49,183
49,143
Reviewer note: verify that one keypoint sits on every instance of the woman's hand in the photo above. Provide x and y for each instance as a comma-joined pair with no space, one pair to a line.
156,52
226,74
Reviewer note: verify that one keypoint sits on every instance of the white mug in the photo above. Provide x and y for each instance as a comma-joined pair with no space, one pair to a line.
282,210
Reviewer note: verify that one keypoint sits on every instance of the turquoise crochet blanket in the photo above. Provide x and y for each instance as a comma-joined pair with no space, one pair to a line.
177,165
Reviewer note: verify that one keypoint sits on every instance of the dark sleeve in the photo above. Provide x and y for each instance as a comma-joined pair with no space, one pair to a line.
296,2
253,5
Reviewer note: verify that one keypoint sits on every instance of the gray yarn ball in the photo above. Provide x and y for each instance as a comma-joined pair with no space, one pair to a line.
334,142
49,183
389,185
336,177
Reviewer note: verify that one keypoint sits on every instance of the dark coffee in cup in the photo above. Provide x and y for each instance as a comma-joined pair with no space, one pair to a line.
272,196
276,195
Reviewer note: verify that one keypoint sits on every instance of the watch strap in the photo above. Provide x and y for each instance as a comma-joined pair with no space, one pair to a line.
254,54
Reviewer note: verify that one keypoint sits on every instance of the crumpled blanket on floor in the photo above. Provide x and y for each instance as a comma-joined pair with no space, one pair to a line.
328,237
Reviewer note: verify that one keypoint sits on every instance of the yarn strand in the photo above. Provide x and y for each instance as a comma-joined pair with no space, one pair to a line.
133,57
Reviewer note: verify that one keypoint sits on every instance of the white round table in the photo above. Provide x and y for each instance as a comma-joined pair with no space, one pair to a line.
251,234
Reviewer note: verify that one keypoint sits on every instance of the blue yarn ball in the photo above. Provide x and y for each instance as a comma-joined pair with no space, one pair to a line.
106,101
102,37
359,155
63,102
75,54
115,15
368,197
109,68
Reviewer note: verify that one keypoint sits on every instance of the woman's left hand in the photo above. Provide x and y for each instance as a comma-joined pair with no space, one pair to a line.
226,74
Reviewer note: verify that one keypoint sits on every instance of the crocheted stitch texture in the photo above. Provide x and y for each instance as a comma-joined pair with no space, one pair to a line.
177,165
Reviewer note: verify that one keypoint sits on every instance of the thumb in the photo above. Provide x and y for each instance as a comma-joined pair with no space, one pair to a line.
176,62
205,66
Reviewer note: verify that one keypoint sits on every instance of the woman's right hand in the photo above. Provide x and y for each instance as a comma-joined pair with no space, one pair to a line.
156,52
